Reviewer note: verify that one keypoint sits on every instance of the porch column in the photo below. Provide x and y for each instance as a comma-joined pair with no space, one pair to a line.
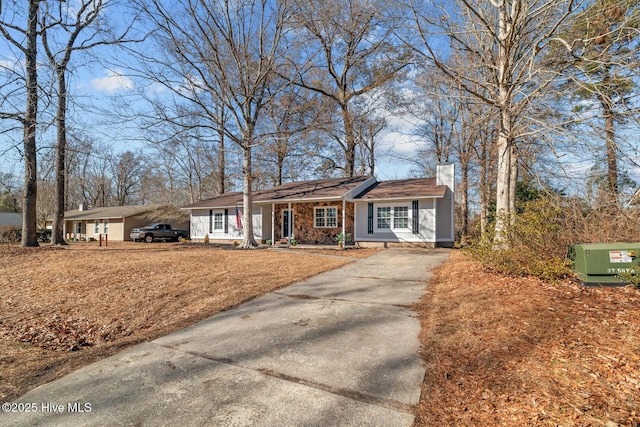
289,225
273,223
344,220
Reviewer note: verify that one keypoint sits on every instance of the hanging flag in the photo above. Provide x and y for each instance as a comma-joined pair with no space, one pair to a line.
238,219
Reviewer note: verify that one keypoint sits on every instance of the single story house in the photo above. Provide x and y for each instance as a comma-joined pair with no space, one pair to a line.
406,211
115,222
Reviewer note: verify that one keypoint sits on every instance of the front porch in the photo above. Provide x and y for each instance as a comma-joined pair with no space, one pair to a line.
312,223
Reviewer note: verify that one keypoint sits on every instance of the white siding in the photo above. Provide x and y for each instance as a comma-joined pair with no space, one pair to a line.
200,224
445,206
444,218
427,223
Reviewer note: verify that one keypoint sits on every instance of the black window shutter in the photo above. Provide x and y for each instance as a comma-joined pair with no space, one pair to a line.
210,220
226,221
370,219
416,223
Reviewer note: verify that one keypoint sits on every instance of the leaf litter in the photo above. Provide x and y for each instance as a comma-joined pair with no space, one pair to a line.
518,351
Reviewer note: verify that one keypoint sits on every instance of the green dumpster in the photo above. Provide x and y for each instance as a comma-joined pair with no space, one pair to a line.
599,264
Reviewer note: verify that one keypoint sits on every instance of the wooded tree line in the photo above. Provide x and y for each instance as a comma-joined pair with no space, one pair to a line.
247,94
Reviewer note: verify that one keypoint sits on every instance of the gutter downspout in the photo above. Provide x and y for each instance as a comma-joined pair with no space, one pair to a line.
273,223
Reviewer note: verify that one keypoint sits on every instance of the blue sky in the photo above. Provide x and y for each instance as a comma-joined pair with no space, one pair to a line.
97,86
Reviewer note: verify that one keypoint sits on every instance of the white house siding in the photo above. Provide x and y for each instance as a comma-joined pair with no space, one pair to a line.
445,206
427,223
200,224
444,218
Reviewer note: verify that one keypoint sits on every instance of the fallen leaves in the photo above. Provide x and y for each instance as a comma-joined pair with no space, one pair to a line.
65,307
518,351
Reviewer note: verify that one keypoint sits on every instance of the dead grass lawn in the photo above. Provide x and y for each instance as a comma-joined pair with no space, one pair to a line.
516,351
62,308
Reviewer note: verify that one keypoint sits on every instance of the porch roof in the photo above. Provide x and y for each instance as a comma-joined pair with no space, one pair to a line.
416,188
323,189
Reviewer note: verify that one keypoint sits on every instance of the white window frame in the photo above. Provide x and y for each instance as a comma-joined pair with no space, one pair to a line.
396,217
96,226
378,217
325,217
218,221
105,226
392,219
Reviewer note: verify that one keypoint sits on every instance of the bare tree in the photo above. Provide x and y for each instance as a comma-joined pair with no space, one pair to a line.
507,40
227,51
451,126
128,174
345,51
85,28
15,34
90,178
292,123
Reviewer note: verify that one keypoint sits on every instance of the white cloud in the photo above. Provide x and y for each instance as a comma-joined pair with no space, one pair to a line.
113,81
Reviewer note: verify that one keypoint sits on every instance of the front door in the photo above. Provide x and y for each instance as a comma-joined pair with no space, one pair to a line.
287,215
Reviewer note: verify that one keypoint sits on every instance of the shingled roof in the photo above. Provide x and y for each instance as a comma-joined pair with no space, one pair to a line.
10,219
403,189
323,189
332,189
114,212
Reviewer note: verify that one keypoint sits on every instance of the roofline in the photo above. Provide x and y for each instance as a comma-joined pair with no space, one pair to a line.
82,218
270,201
352,194
311,199
385,199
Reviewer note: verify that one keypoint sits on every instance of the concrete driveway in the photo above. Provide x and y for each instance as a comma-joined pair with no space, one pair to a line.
339,349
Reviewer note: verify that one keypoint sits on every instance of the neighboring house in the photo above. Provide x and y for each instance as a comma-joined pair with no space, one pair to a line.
10,221
115,222
415,211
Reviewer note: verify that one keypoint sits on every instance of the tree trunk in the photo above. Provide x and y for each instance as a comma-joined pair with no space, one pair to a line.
513,181
350,143
503,191
612,156
221,185
485,188
280,165
248,242
57,234
29,236
506,150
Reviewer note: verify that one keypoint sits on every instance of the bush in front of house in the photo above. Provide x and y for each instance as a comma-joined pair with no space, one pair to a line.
544,229
535,246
